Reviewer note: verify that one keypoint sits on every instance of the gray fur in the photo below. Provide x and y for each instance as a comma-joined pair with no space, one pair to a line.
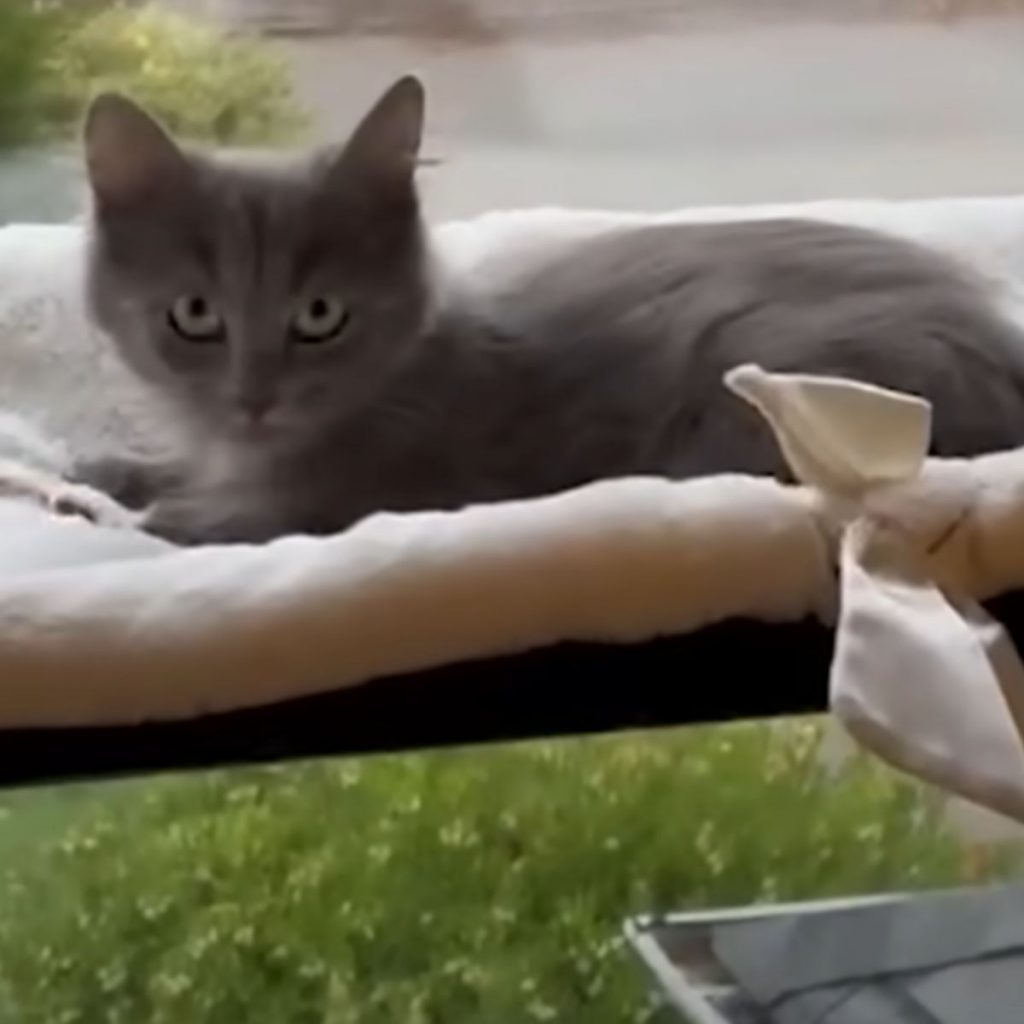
606,361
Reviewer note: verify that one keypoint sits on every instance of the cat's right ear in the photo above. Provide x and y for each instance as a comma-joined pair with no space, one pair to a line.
128,155
384,148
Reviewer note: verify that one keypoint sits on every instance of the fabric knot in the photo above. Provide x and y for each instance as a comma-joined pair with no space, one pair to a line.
921,675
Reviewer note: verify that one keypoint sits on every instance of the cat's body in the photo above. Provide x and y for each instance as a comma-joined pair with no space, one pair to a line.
435,392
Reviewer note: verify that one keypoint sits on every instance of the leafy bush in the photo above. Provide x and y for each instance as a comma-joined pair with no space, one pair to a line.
29,36
458,887
201,84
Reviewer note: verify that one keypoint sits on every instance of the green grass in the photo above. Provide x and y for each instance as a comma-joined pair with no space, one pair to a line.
461,887
31,818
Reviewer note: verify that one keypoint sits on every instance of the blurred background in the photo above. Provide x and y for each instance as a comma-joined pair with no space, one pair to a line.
645,104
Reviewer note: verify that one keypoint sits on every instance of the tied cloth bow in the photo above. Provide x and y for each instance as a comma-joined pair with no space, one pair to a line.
921,675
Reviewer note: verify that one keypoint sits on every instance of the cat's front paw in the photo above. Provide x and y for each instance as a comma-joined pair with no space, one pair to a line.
175,521
116,477
132,482
189,521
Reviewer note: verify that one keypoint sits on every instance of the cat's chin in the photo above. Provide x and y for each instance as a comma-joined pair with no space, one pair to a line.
259,435
258,441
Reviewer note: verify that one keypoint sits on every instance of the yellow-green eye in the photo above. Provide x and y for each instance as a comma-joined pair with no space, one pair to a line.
196,319
319,319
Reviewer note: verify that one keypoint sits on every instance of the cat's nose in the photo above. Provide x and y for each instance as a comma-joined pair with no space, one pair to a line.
254,409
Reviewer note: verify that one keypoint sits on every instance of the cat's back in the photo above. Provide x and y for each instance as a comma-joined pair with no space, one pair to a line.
642,323
792,262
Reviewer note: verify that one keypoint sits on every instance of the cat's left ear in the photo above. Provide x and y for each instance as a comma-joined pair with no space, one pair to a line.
386,143
130,158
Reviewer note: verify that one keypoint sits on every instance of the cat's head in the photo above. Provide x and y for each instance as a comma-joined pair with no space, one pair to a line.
266,297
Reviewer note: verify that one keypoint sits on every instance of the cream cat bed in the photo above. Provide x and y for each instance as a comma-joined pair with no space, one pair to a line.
101,625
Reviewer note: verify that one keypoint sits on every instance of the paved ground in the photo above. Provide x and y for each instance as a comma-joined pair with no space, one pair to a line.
42,186
775,112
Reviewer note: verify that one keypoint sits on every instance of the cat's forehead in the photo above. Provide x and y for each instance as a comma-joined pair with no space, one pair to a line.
263,197
253,169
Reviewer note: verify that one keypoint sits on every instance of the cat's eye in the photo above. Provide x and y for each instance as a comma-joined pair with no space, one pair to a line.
319,319
196,319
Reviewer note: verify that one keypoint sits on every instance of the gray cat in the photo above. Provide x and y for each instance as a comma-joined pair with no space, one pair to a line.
325,368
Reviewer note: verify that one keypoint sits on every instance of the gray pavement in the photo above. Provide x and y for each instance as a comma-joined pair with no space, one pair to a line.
773,112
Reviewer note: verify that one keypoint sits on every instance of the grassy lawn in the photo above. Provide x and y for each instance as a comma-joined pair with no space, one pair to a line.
468,886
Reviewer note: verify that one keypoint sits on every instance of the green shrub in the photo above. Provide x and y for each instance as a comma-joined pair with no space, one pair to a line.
29,35
464,887
201,84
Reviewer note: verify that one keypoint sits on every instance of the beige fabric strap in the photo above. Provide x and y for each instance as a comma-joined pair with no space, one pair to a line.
922,677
